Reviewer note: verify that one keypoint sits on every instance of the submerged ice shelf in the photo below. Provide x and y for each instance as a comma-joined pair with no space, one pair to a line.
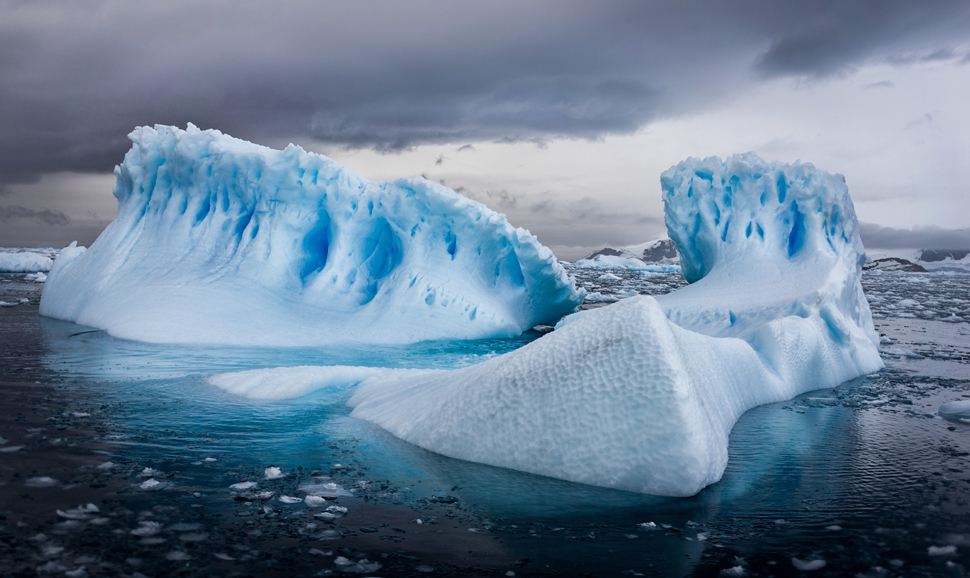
218,240
642,395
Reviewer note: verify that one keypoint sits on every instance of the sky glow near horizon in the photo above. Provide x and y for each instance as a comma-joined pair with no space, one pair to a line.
567,139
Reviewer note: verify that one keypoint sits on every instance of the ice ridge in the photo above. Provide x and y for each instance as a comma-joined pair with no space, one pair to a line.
218,240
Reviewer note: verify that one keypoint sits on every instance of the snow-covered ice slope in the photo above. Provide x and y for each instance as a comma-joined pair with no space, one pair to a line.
641,395
218,240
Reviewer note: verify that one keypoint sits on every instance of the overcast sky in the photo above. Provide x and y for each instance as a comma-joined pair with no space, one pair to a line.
560,114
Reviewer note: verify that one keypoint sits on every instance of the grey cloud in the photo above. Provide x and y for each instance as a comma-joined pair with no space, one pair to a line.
466,148
830,37
75,78
879,237
46,216
880,84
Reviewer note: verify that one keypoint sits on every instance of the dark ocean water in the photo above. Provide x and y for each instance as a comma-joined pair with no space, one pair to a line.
864,479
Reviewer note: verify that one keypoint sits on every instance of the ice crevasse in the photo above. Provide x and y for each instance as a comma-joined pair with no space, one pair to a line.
642,395
218,240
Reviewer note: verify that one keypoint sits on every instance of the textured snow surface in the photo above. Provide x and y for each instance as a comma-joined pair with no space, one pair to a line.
219,240
26,260
642,394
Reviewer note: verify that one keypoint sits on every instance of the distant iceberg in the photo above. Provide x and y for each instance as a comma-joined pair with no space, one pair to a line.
26,260
641,395
218,240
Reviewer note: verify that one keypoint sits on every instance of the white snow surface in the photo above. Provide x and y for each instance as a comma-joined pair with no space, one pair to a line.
641,395
218,240
26,260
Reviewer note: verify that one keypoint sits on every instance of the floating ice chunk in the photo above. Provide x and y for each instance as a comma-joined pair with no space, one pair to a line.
223,557
597,297
608,277
775,308
950,550
834,528
148,473
808,565
341,564
40,482
185,527
337,510
329,535
79,513
151,485
955,409
266,495
147,528
76,573
314,253
7,304
734,571
326,490
274,473
647,526
106,466
11,449
289,499
209,460
243,486
36,277
317,552
314,501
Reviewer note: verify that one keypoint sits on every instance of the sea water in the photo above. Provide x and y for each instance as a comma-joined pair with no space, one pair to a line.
862,479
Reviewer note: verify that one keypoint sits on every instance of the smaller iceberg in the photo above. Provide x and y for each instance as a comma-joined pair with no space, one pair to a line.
218,240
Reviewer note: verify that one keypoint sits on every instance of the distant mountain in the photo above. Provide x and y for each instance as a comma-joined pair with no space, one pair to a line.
893,264
927,259
662,250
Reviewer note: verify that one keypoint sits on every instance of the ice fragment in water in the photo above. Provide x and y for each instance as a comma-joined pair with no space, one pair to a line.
243,486
807,565
147,528
955,409
314,501
177,556
362,566
274,473
40,482
151,484
942,550
289,499
326,490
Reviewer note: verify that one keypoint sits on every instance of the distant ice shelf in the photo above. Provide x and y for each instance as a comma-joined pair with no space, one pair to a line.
218,240
26,260
641,395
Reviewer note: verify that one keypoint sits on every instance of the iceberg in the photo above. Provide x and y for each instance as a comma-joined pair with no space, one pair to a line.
218,240
26,260
641,395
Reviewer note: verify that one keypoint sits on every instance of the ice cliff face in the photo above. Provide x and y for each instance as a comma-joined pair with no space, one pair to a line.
219,240
642,395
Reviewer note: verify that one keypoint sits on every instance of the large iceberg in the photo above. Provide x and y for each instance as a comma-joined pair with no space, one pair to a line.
218,240
642,395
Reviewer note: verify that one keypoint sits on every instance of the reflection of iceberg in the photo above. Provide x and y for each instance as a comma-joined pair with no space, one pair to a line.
642,395
222,241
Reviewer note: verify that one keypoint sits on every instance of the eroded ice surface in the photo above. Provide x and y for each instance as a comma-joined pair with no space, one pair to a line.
642,395
218,240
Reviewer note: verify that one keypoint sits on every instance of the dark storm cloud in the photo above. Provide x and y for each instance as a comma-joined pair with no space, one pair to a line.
879,237
76,77
46,216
